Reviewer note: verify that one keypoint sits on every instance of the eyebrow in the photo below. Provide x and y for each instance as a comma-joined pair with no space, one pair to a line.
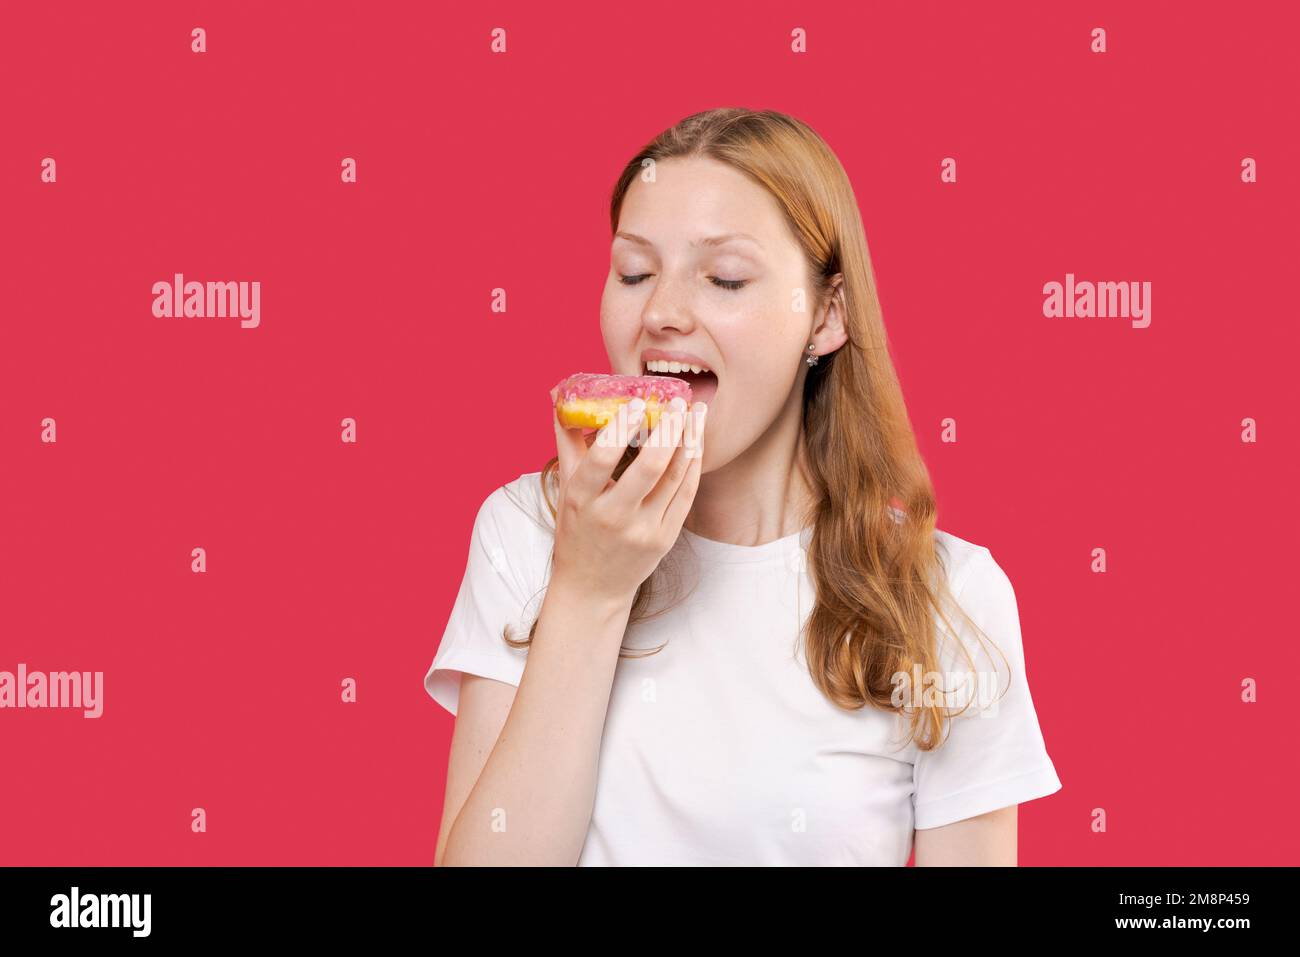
705,241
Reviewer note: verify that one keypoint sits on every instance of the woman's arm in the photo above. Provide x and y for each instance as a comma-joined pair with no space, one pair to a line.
531,804
986,840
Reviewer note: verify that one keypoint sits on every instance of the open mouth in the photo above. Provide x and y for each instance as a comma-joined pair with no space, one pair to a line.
704,384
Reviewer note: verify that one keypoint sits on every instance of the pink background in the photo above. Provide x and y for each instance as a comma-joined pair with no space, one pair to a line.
477,170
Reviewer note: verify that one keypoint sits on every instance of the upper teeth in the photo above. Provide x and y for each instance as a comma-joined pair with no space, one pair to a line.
667,365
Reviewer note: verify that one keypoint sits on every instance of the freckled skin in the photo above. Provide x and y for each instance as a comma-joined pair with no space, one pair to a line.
754,338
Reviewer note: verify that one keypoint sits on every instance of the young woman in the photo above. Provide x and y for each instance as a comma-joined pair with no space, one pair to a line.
724,650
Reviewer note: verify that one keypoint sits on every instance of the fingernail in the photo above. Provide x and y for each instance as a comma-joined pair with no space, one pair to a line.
694,432
635,405
698,411
678,404
697,421
635,414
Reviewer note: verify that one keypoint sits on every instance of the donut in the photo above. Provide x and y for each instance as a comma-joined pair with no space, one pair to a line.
589,400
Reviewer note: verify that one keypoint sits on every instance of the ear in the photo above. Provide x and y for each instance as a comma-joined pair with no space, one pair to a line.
828,329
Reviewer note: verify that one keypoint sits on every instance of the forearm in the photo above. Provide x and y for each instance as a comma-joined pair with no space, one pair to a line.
533,801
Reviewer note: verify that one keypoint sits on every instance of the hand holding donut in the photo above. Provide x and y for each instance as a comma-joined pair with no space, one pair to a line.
611,532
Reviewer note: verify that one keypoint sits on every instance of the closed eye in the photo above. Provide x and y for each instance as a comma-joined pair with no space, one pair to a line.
720,283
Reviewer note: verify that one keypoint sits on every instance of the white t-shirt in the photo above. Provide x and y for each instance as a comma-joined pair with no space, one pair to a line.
719,749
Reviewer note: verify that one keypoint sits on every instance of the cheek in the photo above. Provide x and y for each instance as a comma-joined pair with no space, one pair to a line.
613,323
772,313
606,305
619,332
762,345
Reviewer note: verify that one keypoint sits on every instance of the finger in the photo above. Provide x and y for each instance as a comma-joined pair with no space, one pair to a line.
594,472
641,476
569,446
656,500
689,449
684,495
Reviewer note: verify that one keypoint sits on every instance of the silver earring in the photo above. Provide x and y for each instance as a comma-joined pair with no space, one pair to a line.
811,360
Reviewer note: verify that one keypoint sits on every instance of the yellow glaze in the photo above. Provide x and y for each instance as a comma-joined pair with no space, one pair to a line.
596,413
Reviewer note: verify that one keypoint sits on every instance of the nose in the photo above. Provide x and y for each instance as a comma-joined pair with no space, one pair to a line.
667,309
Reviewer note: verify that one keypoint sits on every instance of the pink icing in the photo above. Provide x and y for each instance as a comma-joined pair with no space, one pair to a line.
593,385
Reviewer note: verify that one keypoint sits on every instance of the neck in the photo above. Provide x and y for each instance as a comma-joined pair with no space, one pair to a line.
761,495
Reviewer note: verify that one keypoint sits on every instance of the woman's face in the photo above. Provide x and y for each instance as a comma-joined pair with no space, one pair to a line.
741,307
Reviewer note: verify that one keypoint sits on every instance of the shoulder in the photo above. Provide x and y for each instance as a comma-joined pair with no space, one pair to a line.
974,579
983,594
514,523
511,541
962,562
978,586
970,567
520,505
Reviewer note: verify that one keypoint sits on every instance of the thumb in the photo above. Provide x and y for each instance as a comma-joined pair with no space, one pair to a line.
569,446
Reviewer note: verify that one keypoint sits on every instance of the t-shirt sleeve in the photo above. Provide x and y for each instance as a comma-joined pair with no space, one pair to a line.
994,755
495,591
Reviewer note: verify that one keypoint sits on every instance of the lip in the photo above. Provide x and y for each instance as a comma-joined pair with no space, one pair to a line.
672,356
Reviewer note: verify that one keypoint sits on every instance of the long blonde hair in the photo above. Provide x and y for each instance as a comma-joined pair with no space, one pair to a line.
877,572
